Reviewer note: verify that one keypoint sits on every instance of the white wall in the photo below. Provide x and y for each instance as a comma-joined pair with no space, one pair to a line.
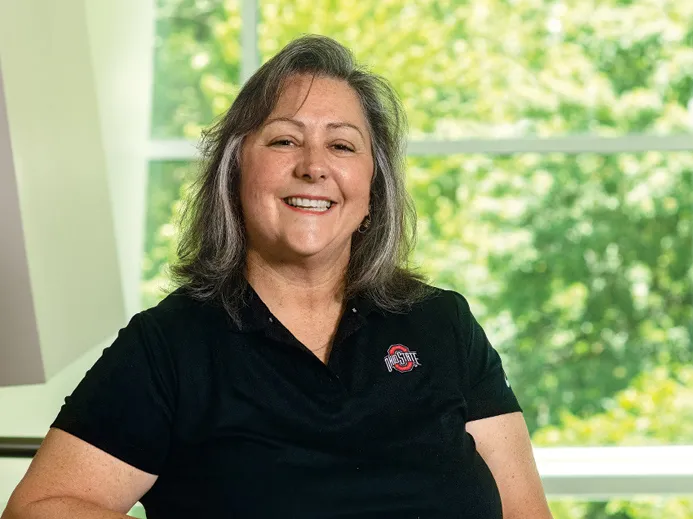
59,163
121,36
118,37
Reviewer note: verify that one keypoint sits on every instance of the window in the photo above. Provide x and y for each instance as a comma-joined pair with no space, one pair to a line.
463,69
197,64
579,268
167,183
650,507
551,162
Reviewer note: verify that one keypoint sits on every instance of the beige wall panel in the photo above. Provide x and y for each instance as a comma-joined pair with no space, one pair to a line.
18,331
62,182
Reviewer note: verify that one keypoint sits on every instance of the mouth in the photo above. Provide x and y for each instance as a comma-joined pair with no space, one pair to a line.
309,204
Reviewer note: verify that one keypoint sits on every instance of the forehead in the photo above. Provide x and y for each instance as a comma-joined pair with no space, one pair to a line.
313,98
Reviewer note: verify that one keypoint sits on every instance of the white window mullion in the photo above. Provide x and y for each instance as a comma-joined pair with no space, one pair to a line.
584,473
596,473
172,149
571,144
186,150
250,54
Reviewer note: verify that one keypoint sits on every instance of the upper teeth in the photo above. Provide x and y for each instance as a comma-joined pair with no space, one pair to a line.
305,202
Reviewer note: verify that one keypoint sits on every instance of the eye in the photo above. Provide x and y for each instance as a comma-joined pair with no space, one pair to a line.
343,147
282,142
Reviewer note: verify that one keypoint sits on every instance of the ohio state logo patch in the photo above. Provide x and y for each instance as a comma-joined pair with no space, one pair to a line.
401,359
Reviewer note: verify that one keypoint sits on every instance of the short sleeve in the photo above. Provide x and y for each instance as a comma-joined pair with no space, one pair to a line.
125,403
487,388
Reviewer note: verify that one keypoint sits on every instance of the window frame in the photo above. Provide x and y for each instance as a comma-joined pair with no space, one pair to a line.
595,473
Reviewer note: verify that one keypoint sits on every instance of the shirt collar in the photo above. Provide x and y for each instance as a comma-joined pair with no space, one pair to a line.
255,315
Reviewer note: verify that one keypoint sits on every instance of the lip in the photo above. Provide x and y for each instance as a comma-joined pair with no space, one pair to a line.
309,197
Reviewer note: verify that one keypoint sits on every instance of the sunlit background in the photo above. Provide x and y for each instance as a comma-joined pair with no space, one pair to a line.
577,263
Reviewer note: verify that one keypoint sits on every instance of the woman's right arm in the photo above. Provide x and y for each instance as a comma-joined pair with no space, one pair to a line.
71,479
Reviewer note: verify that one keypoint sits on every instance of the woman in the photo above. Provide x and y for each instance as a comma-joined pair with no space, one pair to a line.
300,370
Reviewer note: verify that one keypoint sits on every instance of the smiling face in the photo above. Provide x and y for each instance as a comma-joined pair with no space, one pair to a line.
306,173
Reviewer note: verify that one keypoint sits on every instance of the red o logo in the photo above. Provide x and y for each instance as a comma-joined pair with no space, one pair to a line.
400,366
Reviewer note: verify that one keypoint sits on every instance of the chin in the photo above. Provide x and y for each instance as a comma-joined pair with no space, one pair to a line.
308,248
305,251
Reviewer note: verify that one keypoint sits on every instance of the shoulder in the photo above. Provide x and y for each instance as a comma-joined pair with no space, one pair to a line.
179,309
443,310
181,319
179,302
442,302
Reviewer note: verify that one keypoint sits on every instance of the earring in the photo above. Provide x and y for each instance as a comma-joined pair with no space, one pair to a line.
365,224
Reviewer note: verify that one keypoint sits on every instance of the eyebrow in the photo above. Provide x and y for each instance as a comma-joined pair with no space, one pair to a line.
332,125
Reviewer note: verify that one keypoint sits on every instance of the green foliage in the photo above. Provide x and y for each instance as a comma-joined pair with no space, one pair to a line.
196,66
579,266
166,190
656,408
641,507
138,512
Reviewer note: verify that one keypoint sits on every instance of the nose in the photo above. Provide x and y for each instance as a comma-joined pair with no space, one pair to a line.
313,165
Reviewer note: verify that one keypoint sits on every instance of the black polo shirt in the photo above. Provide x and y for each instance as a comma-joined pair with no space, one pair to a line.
246,422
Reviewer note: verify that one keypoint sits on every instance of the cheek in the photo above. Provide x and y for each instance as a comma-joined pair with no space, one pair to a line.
255,204
357,183
261,174
257,189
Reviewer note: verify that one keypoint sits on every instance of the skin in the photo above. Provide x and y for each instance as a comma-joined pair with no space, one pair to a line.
296,262
315,144
71,478
504,444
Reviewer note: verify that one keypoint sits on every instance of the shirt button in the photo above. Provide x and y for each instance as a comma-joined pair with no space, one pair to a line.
353,310
270,320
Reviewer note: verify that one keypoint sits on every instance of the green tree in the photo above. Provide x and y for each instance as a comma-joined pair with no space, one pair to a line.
657,407
579,266
197,64
165,191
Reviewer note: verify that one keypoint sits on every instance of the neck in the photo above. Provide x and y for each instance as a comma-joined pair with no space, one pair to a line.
297,287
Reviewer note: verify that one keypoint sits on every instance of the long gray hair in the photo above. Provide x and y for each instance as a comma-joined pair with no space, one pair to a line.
212,240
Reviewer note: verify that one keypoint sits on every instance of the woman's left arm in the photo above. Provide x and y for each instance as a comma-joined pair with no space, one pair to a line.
504,444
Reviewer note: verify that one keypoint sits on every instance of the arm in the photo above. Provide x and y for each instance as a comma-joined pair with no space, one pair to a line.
503,442
71,479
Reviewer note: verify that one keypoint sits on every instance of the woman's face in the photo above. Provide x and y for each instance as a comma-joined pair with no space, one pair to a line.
306,173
